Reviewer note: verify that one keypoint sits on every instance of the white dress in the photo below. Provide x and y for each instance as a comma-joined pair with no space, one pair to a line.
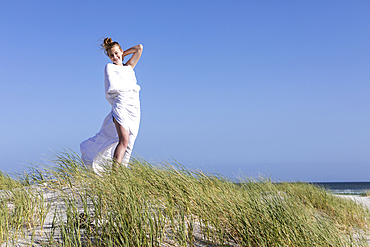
122,92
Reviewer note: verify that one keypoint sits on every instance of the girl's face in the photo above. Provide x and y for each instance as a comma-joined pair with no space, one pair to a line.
115,55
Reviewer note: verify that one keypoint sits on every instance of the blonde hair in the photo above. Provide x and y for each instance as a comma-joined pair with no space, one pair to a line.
108,44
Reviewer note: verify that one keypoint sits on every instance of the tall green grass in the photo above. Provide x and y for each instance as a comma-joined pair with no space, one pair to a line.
21,209
158,204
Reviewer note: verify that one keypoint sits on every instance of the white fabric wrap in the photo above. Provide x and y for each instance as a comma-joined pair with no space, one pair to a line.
122,92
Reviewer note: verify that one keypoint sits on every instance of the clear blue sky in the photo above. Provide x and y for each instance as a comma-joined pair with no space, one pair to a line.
278,88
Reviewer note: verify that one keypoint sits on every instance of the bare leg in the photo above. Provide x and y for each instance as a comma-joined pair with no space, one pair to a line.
123,137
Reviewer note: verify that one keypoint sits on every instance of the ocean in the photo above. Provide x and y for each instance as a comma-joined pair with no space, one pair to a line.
347,188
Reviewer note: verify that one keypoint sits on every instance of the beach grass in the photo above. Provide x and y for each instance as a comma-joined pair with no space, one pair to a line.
168,205
22,208
366,193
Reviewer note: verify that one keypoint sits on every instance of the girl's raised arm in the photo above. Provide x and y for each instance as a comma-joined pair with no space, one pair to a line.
136,54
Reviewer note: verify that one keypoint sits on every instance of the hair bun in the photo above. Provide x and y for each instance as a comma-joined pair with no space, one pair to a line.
106,42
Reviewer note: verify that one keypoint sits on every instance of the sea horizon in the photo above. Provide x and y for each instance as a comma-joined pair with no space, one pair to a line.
347,188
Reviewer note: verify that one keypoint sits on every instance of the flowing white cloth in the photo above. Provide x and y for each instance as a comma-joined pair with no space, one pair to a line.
122,92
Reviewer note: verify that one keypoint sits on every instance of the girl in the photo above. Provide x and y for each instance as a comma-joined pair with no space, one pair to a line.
118,133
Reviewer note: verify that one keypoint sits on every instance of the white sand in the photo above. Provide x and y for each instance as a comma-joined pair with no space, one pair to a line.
365,201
